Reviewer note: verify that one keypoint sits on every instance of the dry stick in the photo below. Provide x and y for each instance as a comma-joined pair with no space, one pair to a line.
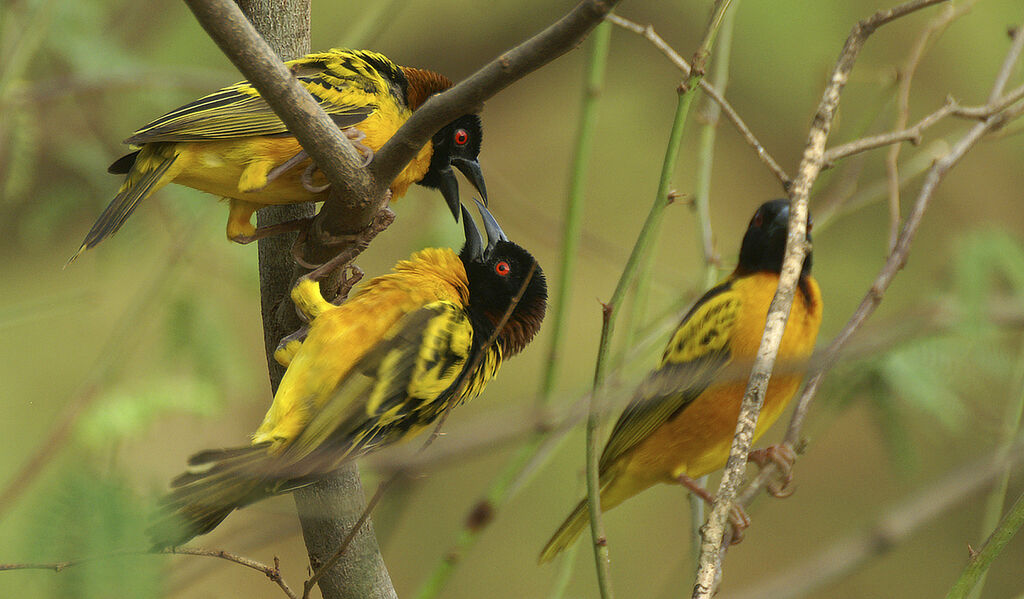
830,564
796,248
463,381
709,89
906,76
897,258
271,572
914,133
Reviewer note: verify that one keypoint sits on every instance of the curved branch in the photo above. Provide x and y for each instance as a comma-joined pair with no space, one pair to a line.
470,94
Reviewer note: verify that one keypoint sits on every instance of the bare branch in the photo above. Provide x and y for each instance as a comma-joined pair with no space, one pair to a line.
895,262
470,94
796,248
730,112
914,133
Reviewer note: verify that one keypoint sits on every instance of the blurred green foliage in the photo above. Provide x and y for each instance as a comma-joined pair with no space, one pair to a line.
76,78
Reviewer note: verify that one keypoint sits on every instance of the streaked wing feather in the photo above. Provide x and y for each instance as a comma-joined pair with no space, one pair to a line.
405,381
239,111
696,354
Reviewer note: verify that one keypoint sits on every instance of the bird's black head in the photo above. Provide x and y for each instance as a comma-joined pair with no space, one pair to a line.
497,274
764,243
456,144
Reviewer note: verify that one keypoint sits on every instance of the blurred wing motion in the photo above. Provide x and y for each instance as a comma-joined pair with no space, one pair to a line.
697,352
681,420
399,387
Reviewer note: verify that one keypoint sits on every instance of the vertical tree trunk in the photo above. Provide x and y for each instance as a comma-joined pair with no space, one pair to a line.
327,510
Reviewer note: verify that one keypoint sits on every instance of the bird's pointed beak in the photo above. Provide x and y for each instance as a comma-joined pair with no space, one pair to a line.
474,248
449,186
471,168
494,232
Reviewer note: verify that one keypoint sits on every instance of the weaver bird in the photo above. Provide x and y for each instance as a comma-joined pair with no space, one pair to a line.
680,422
375,370
231,144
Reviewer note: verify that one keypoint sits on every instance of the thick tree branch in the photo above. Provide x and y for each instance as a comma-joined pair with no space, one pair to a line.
796,248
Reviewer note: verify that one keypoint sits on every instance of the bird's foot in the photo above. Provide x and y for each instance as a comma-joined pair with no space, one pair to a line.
299,224
356,137
287,165
783,457
737,515
354,244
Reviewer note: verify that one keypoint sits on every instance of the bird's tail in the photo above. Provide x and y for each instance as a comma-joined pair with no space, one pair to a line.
617,485
566,533
217,482
145,169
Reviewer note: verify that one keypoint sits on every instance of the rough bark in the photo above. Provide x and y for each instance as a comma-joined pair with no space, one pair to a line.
329,508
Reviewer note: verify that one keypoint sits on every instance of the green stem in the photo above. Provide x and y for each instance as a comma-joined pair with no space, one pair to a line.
997,496
687,91
574,204
33,33
523,464
980,563
706,150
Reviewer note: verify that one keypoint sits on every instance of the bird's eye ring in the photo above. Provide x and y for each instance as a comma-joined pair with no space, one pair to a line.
502,268
461,137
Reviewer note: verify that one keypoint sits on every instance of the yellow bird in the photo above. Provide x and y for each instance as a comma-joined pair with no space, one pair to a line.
680,423
375,370
231,144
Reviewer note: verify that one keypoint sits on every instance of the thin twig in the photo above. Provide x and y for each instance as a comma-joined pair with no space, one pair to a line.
271,572
796,248
895,262
709,89
913,134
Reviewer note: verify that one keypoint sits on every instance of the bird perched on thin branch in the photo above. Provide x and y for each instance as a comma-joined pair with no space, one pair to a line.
231,144
680,422
375,370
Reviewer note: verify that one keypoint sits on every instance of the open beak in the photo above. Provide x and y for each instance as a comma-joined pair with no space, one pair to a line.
449,187
474,242
471,168
491,226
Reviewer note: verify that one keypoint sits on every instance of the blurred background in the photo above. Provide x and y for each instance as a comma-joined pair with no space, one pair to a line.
153,340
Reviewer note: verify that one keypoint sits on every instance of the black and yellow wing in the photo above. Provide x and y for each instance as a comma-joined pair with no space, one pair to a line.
348,84
401,386
696,354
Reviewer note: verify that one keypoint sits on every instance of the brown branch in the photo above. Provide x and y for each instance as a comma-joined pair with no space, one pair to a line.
469,94
271,572
649,34
713,532
914,133
895,262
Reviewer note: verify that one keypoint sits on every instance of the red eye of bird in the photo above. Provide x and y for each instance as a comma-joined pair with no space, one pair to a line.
758,219
461,137
502,268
